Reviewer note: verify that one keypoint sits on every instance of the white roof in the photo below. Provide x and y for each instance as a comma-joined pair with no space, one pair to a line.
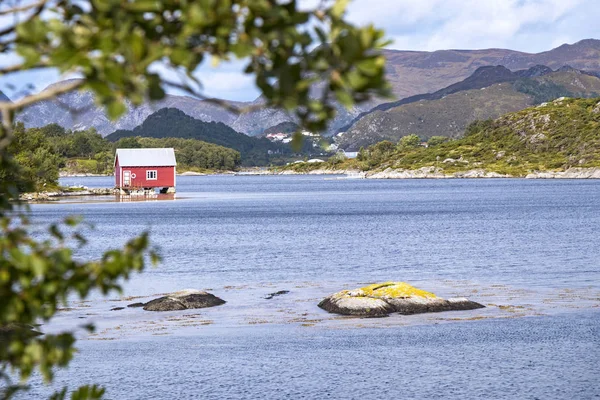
146,157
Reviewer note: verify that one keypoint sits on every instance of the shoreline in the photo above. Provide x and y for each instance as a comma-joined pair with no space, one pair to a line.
390,173
437,173
60,194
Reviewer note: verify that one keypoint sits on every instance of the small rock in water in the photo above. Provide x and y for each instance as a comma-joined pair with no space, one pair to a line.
133,305
117,308
184,300
381,299
271,295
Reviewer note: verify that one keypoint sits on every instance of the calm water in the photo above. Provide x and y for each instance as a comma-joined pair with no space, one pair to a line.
245,236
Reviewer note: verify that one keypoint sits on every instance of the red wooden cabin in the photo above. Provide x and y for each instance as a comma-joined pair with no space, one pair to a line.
145,169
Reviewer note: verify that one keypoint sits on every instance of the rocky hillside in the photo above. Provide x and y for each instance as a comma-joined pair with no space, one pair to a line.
552,136
554,139
409,72
448,111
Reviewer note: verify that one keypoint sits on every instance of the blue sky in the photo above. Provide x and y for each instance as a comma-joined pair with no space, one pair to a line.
524,25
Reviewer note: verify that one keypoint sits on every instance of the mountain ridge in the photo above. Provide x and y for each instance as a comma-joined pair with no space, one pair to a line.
409,72
443,114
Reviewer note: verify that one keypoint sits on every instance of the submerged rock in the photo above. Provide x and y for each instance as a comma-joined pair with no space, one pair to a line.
134,305
184,300
279,293
381,299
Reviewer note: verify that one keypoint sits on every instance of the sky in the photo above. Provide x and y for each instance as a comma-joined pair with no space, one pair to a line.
425,25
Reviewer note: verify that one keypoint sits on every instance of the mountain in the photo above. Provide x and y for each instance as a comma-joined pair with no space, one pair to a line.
284,127
77,111
409,72
415,72
449,111
174,123
481,78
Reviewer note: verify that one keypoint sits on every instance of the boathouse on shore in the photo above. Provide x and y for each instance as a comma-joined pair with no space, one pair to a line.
139,171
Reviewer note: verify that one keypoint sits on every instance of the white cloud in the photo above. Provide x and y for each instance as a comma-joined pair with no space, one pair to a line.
526,25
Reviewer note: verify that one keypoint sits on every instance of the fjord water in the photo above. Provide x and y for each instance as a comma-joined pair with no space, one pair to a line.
283,232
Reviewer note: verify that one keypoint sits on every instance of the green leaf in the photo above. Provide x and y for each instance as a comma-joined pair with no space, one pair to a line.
339,8
344,98
115,109
297,141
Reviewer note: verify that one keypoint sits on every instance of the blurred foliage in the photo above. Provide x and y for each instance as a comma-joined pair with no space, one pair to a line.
117,47
37,159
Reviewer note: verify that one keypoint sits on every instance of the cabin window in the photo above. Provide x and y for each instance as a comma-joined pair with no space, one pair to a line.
151,175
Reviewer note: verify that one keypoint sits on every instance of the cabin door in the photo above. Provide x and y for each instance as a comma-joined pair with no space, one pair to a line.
126,178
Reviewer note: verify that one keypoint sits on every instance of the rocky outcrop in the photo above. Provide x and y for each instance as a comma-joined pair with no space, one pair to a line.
321,172
438,173
184,300
571,173
382,299
432,173
48,196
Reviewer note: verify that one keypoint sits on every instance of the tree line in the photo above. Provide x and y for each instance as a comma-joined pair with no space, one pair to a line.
41,153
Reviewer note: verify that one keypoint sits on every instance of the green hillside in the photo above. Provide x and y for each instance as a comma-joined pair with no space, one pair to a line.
174,123
553,136
450,115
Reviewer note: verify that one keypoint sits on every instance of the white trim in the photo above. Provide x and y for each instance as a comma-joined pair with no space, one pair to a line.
130,183
148,172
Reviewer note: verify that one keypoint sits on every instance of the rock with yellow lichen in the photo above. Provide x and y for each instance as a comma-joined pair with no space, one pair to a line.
381,299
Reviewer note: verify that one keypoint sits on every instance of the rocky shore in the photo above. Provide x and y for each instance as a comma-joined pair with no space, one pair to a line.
571,173
56,195
438,173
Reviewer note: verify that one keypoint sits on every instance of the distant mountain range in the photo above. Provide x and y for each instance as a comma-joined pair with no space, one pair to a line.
409,72
489,93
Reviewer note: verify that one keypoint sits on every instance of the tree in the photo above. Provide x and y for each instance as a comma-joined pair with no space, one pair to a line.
118,48
409,141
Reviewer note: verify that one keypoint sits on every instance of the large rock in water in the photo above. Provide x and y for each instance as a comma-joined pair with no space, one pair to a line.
381,299
184,300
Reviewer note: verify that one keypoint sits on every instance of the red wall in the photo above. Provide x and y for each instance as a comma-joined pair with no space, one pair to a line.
117,174
165,176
